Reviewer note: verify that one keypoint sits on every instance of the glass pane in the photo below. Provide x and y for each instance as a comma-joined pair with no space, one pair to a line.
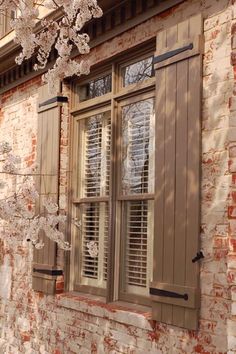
138,233
137,175
137,72
94,237
94,155
95,88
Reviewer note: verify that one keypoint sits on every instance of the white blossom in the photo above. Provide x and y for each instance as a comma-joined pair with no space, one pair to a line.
92,249
28,190
18,210
63,35
2,184
5,147
39,245
50,205
9,167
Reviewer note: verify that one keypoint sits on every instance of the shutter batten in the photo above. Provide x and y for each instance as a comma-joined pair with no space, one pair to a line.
175,287
44,262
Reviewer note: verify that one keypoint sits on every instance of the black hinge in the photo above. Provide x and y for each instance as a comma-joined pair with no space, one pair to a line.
165,293
172,53
53,100
53,272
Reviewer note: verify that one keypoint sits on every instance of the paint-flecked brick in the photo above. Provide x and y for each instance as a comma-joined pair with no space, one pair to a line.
70,324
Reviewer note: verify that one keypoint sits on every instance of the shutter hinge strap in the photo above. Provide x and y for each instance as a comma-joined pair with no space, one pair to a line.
165,293
171,53
61,99
52,272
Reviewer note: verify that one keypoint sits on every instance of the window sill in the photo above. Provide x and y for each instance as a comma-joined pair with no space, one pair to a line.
119,311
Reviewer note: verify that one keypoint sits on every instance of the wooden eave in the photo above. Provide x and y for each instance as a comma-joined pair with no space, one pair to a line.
9,51
139,11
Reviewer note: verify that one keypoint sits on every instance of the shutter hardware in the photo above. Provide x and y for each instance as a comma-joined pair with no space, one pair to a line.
53,272
165,293
61,99
198,256
172,53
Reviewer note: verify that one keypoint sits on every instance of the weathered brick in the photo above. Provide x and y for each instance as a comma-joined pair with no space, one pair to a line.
75,324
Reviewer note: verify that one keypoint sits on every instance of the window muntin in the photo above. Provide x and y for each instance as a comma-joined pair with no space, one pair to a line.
137,147
95,88
137,72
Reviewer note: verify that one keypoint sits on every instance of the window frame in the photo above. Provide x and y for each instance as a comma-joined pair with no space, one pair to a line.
121,199
6,18
118,97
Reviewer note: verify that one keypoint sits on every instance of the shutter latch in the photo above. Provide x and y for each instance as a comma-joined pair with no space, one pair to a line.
198,256
165,293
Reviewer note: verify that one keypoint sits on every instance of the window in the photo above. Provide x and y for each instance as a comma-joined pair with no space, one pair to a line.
113,181
112,192
5,19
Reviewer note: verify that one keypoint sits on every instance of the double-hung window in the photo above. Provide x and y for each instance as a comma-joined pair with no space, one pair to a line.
113,181
132,237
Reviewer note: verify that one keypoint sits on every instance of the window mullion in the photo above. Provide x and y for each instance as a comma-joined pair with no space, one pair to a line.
112,284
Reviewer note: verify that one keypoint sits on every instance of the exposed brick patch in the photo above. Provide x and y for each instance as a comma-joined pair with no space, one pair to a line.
66,324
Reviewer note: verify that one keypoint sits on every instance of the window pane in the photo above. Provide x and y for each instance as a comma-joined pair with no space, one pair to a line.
138,147
94,155
138,226
95,88
137,72
94,236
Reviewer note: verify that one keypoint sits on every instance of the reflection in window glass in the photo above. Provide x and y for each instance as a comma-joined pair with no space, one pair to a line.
137,72
138,147
95,88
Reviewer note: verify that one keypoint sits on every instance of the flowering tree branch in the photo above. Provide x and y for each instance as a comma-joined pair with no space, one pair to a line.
18,209
63,34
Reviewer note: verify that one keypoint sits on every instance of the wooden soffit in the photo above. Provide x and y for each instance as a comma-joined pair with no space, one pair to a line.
118,17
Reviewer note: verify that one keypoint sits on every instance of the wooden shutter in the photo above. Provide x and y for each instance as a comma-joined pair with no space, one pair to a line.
48,140
175,287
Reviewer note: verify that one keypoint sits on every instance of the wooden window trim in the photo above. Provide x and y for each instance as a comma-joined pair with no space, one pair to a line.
113,101
135,96
90,200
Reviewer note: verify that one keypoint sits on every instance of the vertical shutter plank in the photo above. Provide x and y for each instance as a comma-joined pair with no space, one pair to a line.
193,197
160,171
181,177
177,201
193,178
169,211
160,167
169,221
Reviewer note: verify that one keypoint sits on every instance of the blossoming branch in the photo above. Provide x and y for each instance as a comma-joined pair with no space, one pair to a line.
63,34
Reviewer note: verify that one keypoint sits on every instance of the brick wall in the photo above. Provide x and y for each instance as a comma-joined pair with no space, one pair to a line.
31,323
